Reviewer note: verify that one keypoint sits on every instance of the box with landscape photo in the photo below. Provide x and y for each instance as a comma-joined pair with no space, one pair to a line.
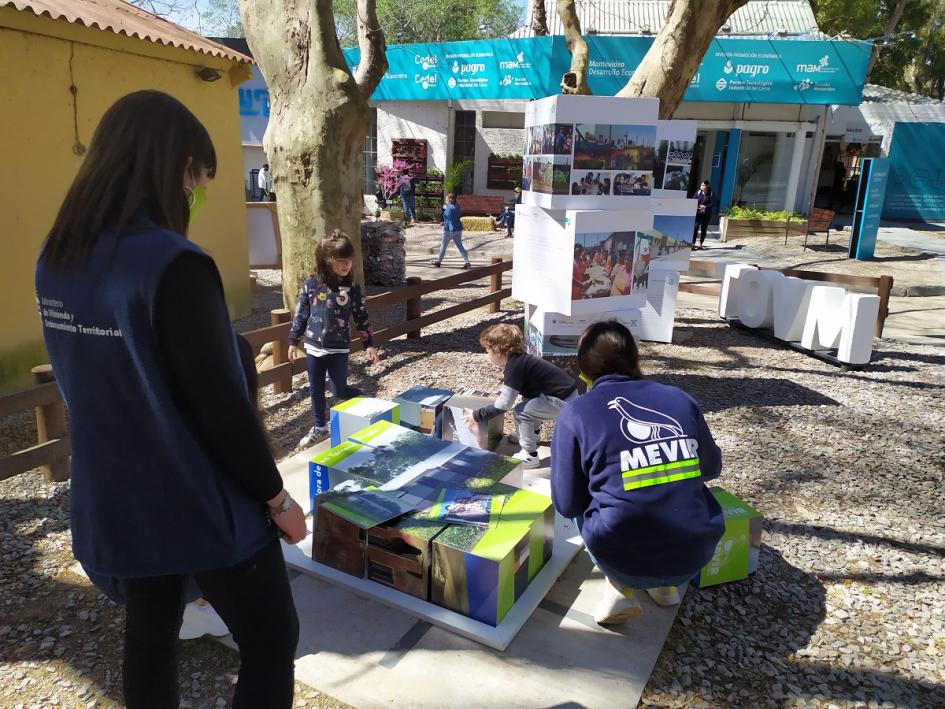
480,571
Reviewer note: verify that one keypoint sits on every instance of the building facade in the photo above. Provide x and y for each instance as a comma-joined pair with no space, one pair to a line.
103,50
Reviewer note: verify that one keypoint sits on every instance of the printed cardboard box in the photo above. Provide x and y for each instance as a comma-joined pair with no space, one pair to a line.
489,434
357,413
338,543
399,552
736,555
481,571
419,407
395,456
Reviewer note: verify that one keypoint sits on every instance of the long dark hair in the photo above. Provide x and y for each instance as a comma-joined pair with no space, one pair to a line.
608,347
135,164
335,245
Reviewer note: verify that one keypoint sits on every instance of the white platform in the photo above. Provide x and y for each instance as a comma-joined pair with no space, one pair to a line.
567,544
367,652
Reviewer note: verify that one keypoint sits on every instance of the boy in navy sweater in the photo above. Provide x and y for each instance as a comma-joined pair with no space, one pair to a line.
630,459
544,388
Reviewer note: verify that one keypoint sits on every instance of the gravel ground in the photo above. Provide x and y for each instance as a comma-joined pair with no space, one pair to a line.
846,609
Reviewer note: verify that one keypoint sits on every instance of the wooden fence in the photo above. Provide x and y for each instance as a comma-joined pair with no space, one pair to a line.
882,284
52,451
282,371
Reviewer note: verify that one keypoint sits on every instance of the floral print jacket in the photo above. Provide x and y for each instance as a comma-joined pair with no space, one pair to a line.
322,315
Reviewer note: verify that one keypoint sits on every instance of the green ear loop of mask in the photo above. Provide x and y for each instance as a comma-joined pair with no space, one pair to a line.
197,198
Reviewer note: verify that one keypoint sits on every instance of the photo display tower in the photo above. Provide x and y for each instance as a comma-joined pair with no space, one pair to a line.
604,228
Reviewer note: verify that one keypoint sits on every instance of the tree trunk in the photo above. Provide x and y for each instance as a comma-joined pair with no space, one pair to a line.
318,119
890,27
539,24
578,48
677,51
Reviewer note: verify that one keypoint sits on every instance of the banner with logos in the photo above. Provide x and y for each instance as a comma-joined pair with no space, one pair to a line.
785,71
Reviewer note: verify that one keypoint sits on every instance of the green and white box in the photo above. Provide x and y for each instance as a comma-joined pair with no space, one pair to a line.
481,571
360,412
736,554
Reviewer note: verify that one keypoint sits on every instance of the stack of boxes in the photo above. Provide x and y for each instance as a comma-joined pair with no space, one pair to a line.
376,498
605,226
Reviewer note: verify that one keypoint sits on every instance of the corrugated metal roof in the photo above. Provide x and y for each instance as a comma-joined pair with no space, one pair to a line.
874,93
121,18
758,17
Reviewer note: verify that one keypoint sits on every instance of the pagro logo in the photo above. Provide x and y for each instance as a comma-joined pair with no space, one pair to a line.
752,69
728,68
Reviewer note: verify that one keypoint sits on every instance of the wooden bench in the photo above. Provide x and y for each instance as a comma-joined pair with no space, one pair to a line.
819,220
472,205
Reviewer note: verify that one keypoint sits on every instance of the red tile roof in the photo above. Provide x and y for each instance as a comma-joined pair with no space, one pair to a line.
121,18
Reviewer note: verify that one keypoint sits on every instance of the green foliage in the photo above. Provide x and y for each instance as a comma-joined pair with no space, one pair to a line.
905,64
412,21
455,174
737,212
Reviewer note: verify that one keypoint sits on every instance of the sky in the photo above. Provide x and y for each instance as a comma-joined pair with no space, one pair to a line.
189,14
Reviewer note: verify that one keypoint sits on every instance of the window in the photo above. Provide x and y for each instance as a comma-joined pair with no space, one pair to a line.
369,155
503,119
464,136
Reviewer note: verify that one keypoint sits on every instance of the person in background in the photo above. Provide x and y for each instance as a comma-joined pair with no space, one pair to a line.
629,463
326,303
408,198
163,488
706,205
452,231
264,182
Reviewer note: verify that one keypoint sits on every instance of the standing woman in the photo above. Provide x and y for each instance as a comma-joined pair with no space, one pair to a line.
172,477
706,200
452,231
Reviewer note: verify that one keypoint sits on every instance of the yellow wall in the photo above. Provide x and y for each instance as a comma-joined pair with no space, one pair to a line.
37,135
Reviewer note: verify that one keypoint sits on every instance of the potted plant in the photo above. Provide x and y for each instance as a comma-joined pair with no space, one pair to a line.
741,222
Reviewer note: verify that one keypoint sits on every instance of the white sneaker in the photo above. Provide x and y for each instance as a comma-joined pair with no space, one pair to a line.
616,607
664,595
314,435
200,620
529,460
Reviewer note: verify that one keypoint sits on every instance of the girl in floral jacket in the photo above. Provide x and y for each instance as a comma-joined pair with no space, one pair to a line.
328,300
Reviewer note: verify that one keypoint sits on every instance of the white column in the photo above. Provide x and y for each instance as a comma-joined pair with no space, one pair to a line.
794,176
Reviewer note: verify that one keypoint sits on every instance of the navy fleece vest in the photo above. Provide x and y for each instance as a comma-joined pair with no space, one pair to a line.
146,498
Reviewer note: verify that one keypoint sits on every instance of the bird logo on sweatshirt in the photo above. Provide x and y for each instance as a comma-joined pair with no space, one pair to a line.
639,424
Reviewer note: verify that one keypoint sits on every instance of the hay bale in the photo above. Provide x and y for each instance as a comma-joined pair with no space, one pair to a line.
477,223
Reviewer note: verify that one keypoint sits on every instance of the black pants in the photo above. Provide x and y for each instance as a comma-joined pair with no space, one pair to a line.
702,222
255,602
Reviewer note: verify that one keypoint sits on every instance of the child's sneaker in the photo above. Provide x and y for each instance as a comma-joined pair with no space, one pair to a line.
529,460
616,606
200,619
664,595
314,435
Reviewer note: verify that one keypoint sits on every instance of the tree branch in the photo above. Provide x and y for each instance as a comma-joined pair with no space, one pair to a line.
576,45
371,42
673,59
539,23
